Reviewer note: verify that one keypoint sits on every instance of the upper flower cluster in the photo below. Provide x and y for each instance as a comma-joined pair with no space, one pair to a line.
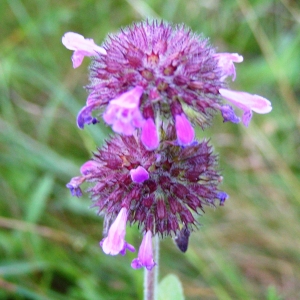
151,72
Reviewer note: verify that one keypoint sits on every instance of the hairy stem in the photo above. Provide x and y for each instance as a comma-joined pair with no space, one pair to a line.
150,277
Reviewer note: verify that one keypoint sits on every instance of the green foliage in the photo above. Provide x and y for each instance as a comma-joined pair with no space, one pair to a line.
170,288
248,249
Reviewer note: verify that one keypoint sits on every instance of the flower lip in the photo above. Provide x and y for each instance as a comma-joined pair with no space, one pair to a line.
77,42
246,101
82,47
226,63
123,112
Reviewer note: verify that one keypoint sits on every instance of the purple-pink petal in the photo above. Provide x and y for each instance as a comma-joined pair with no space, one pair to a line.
82,47
246,101
139,174
226,63
149,136
115,242
145,255
123,113
185,131
88,167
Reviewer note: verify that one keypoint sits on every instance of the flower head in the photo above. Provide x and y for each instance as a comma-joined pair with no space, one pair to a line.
170,70
153,72
162,190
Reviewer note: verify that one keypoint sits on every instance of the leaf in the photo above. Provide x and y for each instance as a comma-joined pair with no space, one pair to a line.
170,288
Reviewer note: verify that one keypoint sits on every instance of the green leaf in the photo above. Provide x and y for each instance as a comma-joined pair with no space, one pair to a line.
170,288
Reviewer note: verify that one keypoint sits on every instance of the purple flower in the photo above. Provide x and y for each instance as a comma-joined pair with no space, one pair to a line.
82,47
123,112
226,63
247,103
74,186
145,255
185,131
115,243
139,174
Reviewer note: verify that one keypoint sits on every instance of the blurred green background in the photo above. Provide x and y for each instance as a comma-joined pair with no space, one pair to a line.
248,249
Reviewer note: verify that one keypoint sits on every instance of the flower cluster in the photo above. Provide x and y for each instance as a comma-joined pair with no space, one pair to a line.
153,83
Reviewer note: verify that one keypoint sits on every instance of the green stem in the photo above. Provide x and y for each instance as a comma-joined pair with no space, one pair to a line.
150,277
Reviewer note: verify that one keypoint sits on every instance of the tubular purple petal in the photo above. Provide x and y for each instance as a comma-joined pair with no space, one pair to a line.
149,135
185,131
145,255
115,243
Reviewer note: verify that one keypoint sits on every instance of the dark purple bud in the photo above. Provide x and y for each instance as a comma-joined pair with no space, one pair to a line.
180,190
173,204
176,108
173,223
149,221
182,239
148,201
161,209
187,217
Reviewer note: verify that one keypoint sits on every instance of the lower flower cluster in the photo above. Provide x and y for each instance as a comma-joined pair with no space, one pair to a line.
162,191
